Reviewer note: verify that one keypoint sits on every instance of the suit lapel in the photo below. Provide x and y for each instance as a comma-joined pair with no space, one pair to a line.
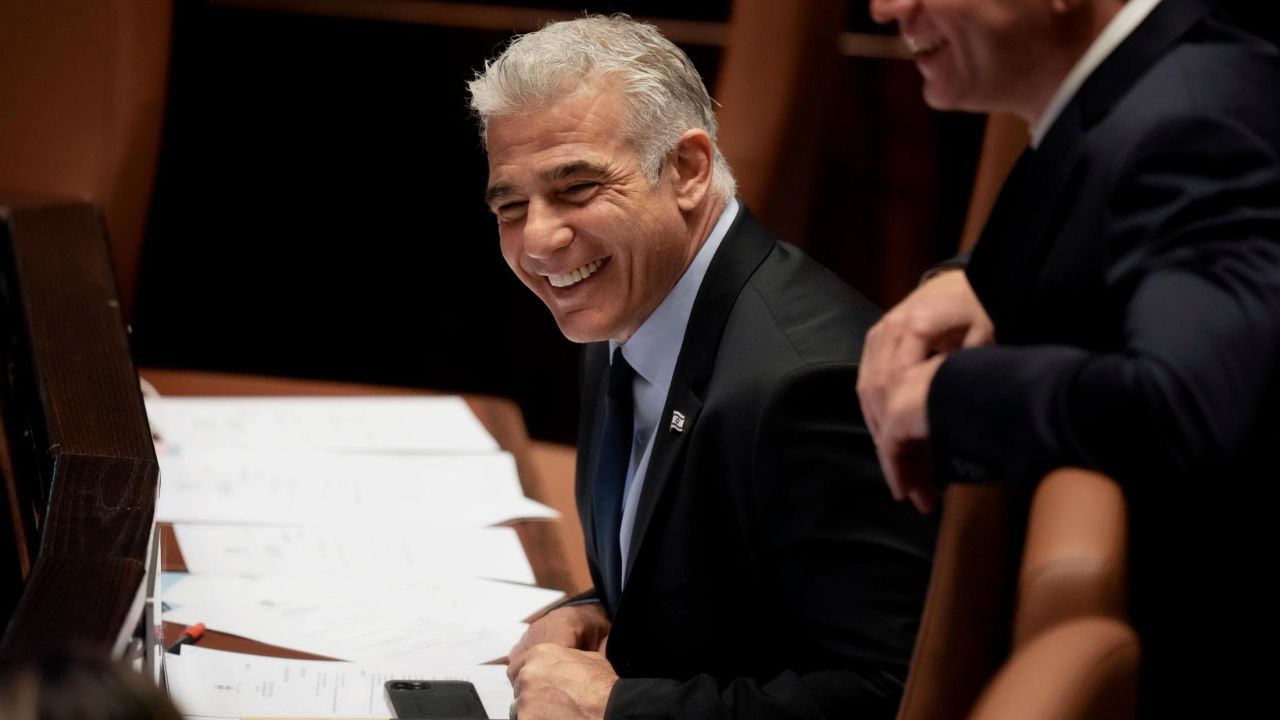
744,247
1020,232
1166,25
1013,247
665,461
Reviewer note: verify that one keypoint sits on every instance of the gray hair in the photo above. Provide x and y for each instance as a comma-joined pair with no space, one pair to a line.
664,93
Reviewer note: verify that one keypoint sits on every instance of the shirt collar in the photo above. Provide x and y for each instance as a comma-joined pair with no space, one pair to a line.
654,347
1121,26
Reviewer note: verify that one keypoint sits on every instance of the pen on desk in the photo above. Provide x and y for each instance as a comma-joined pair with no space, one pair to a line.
191,634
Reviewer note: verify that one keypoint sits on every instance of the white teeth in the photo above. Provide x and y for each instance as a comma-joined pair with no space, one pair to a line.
920,47
574,276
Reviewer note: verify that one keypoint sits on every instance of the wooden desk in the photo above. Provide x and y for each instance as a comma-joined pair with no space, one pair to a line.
542,540
79,468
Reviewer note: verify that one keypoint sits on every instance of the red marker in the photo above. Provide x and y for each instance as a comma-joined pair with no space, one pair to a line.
191,634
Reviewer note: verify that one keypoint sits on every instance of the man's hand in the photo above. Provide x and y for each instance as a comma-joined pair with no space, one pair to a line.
580,627
903,443
941,316
562,684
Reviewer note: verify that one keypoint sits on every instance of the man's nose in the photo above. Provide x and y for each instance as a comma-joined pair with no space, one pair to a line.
887,11
545,231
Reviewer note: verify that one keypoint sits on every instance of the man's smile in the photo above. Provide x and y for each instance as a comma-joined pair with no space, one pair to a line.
577,275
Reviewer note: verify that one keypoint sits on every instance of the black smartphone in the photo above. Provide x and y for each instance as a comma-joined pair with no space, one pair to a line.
434,700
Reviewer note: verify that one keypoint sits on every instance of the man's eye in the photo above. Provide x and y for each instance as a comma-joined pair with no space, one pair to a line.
510,210
580,190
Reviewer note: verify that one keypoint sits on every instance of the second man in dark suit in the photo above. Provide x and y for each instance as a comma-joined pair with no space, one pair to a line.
747,559
1121,310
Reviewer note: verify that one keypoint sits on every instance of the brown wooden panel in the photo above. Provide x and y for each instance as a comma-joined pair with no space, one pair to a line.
82,477
102,506
557,466
965,627
774,105
75,604
79,351
82,104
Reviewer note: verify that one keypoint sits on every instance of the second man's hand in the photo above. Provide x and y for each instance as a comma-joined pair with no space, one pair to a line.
901,355
902,445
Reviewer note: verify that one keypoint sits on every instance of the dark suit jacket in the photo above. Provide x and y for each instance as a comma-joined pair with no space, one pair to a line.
1132,268
771,574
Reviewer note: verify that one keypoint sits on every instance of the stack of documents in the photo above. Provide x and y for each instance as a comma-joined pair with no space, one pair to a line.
361,529
231,685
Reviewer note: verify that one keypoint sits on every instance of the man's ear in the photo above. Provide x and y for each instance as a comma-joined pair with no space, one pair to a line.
692,161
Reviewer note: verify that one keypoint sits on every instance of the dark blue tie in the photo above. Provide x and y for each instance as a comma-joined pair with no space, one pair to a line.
610,475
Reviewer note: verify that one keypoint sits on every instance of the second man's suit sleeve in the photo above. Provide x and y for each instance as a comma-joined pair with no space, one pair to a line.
1193,274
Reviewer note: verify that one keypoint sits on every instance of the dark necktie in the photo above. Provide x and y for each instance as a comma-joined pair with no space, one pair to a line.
610,475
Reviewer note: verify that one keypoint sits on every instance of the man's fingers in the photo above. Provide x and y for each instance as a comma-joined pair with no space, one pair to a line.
520,678
902,447
516,658
925,498
913,344
516,661
915,474
870,384
981,332
517,684
888,463
877,371
534,664
902,339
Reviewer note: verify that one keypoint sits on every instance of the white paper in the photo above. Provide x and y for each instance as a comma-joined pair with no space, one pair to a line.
215,684
408,550
383,424
334,617
459,598
300,489
363,631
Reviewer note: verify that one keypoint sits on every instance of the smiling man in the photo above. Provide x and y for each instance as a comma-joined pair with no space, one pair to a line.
1120,311
747,559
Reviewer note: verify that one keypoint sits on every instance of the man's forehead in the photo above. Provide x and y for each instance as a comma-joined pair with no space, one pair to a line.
555,156
505,183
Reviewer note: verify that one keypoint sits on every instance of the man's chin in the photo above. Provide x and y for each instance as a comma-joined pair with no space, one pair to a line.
580,332
939,100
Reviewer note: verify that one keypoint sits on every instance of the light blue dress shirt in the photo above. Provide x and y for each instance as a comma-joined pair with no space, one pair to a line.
652,350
